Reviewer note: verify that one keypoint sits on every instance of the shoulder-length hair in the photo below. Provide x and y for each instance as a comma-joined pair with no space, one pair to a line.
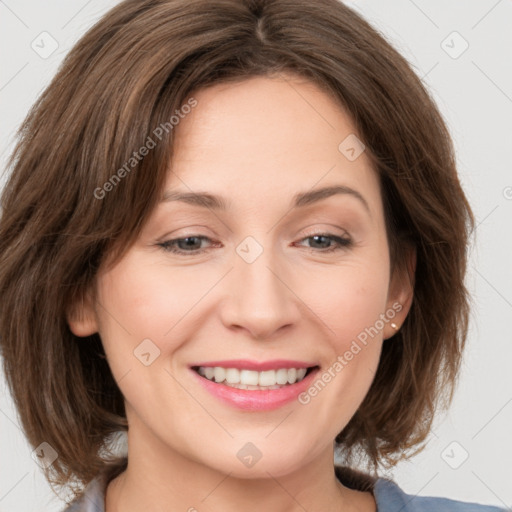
68,204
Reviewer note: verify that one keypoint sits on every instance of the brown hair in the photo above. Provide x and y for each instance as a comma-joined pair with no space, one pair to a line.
128,75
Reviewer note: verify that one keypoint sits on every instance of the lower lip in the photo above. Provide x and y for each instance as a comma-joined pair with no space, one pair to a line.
257,400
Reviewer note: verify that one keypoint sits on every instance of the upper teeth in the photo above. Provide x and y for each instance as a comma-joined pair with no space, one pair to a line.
251,377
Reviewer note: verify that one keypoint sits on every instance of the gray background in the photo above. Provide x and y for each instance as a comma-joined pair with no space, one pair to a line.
469,451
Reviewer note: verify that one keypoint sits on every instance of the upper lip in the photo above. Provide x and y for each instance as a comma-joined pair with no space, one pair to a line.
259,366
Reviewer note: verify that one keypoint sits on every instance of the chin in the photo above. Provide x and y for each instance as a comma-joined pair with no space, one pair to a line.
248,461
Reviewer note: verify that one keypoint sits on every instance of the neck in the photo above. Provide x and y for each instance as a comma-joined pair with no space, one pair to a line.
164,480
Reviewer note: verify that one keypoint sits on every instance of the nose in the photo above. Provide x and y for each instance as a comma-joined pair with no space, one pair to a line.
260,297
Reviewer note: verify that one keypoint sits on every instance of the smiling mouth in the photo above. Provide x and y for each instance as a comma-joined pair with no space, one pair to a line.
254,380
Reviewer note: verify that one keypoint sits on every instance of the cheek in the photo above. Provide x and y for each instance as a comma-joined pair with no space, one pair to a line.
349,300
145,316
148,297
351,307
138,302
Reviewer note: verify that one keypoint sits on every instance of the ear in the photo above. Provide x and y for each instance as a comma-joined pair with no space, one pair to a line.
401,292
81,316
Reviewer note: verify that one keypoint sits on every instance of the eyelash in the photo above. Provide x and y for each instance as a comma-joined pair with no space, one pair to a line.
342,243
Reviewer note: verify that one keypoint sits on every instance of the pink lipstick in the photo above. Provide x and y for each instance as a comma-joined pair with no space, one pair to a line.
255,386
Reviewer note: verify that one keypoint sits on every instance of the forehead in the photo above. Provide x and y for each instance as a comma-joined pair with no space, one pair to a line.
283,112
267,137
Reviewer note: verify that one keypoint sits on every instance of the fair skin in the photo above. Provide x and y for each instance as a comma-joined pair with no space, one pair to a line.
256,143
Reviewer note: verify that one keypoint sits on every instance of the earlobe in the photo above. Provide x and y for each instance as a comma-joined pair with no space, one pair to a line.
401,293
81,317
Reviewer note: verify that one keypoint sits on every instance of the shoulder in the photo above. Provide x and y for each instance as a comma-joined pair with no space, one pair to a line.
92,499
391,498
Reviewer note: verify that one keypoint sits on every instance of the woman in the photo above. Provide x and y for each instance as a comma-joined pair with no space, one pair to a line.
233,229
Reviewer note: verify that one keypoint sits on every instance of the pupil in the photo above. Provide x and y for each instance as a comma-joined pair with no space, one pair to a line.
316,237
189,241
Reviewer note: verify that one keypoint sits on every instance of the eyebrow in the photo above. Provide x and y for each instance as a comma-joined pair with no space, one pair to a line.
299,200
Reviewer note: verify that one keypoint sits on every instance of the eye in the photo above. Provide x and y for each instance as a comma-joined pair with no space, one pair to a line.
187,245
327,238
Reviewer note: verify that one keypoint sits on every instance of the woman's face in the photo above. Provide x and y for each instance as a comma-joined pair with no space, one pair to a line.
279,274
